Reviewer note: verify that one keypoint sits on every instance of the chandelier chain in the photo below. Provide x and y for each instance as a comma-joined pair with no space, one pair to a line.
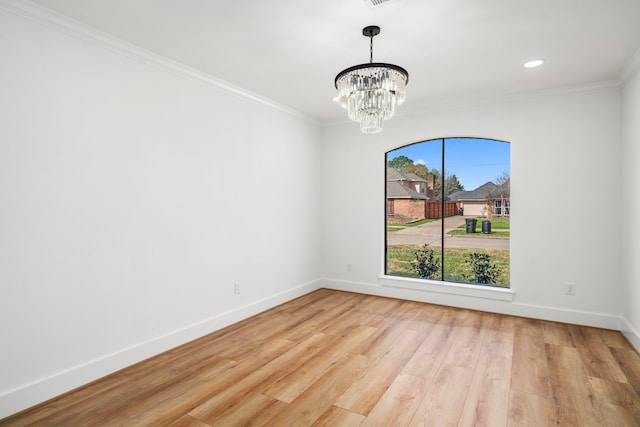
371,49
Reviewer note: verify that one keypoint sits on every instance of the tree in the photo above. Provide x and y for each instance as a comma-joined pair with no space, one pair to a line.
451,185
504,191
406,165
421,170
503,179
400,162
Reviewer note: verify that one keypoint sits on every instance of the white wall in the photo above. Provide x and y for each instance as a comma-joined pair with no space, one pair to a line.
132,197
631,207
565,156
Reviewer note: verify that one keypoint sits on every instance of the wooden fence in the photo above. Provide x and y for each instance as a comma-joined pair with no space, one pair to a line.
434,209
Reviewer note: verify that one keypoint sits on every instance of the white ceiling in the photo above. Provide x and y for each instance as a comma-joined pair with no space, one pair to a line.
289,51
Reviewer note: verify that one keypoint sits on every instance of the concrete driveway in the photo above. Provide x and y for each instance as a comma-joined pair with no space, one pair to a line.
430,233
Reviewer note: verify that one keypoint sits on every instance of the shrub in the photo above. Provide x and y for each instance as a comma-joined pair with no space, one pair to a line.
483,270
426,265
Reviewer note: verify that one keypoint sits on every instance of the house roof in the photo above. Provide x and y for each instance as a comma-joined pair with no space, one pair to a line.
503,190
481,193
396,175
395,190
413,177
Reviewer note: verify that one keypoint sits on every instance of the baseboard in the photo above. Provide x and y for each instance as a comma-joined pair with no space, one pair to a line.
554,314
58,383
631,334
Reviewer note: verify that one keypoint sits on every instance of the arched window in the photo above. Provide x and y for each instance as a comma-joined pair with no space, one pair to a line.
448,211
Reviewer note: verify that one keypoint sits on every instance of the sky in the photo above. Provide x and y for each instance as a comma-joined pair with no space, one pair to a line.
474,161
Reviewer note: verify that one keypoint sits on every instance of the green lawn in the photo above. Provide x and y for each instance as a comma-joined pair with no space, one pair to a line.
400,259
396,227
501,223
499,227
478,233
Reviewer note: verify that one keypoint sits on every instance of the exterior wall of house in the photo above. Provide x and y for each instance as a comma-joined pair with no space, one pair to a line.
492,212
410,208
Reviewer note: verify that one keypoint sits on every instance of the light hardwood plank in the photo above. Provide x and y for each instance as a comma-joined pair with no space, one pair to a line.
290,387
338,417
245,409
364,393
530,372
530,410
613,339
395,339
84,399
319,397
466,340
618,400
629,362
188,421
229,399
434,349
596,356
487,401
570,386
437,407
399,404
558,334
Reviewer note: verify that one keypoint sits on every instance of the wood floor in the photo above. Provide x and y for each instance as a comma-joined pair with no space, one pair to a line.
340,359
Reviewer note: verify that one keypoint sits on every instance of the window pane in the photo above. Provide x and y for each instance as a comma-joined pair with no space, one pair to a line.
413,183
477,251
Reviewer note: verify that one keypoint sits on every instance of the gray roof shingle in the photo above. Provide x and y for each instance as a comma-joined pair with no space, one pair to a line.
481,193
395,190
396,175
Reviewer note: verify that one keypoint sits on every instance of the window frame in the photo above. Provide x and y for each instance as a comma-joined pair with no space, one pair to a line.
392,280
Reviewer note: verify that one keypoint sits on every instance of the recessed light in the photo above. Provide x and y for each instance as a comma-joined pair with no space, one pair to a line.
533,64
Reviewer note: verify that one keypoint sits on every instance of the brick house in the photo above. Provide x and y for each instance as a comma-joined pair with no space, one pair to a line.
407,195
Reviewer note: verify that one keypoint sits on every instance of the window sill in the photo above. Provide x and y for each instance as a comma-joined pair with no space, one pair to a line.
477,291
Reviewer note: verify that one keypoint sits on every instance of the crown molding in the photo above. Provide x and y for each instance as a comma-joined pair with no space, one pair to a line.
470,102
77,29
464,103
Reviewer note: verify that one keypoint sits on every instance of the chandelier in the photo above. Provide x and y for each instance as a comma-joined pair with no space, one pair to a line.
370,92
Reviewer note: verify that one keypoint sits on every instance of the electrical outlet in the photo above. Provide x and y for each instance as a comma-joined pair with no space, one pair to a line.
349,267
236,288
570,289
